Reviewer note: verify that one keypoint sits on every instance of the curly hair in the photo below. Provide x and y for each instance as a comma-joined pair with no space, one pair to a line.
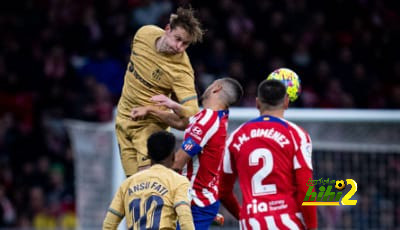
185,18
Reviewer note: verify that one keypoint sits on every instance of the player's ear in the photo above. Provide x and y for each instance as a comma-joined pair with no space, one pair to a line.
173,157
168,28
258,103
217,88
286,102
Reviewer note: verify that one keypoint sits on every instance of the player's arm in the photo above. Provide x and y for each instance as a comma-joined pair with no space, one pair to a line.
303,172
162,100
227,180
181,158
309,212
226,195
184,90
182,206
185,217
189,107
111,221
171,119
115,212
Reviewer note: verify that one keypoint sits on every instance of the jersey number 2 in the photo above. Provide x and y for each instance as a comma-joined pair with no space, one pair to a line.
258,189
134,208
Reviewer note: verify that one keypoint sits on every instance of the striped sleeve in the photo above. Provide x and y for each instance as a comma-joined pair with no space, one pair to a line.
303,147
197,136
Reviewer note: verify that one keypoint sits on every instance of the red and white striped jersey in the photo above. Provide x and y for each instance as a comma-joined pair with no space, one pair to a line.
265,153
204,141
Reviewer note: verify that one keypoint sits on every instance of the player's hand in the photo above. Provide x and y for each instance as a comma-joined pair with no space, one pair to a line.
139,113
218,220
162,100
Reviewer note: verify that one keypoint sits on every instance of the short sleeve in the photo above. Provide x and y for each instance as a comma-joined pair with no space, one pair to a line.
303,148
228,161
183,87
182,195
117,204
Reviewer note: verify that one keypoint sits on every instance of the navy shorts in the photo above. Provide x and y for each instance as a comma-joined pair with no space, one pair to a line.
203,216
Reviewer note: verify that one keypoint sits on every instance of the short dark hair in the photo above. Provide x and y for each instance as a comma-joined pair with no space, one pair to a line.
271,92
160,145
185,18
233,90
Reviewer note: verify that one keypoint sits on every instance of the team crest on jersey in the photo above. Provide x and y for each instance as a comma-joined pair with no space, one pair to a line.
188,147
157,74
197,130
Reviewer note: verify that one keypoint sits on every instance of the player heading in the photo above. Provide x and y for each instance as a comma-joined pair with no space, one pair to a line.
185,18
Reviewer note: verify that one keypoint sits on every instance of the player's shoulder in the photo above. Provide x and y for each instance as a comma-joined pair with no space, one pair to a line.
206,116
169,173
203,113
297,128
299,132
149,30
177,179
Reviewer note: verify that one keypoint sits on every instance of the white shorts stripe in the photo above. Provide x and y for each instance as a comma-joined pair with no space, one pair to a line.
289,222
207,194
242,225
300,216
271,223
254,224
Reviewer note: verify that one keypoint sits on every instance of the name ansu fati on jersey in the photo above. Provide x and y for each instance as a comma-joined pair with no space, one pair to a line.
148,185
272,134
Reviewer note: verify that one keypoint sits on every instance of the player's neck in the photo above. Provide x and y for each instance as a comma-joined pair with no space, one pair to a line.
275,113
214,105
159,42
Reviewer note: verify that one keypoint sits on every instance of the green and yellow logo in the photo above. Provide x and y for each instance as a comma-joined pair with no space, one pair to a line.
327,197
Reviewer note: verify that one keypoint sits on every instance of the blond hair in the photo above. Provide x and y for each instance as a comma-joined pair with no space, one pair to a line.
185,18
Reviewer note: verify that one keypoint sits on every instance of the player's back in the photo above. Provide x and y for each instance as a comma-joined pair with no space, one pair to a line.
263,154
150,196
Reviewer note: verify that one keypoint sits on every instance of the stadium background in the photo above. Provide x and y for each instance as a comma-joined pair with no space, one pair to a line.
66,59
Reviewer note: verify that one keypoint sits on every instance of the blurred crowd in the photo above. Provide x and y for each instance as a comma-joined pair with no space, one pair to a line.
378,199
66,59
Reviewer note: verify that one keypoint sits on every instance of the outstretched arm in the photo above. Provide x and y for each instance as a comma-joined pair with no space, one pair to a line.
188,109
171,119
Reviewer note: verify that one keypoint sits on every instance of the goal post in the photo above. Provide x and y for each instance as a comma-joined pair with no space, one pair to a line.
363,145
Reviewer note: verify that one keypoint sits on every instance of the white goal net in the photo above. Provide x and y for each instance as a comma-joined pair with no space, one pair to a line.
363,145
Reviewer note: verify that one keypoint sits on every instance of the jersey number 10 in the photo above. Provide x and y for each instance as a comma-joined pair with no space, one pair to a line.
134,208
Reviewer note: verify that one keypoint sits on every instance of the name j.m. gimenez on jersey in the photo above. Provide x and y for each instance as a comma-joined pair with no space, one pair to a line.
272,134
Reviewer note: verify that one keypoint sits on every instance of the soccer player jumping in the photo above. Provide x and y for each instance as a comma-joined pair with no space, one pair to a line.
158,65
272,158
